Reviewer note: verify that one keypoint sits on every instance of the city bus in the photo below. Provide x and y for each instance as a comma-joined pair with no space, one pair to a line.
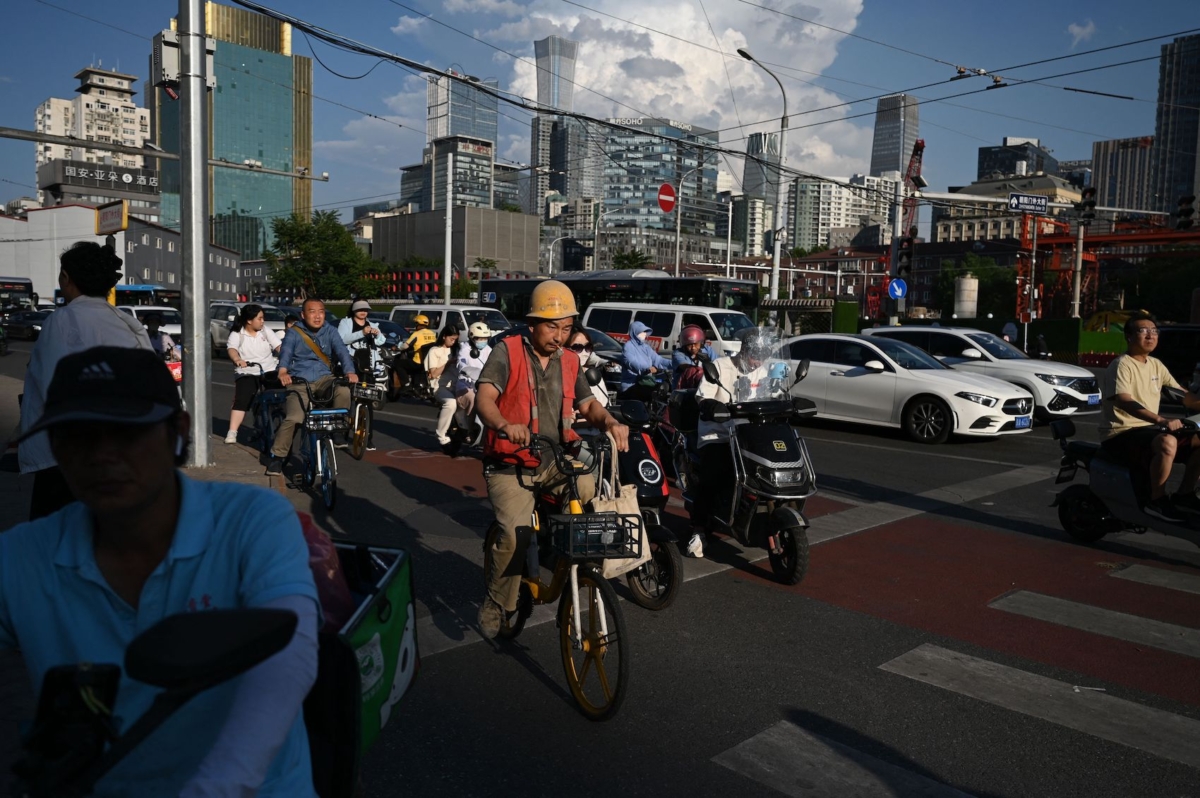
511,296
17,292
149,295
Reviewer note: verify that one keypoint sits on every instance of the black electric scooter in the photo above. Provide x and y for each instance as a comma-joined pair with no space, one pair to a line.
773,473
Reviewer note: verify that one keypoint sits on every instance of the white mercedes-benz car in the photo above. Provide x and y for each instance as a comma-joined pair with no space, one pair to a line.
880,381
1059,389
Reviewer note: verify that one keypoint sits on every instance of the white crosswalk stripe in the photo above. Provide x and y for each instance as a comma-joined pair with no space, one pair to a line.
1159,577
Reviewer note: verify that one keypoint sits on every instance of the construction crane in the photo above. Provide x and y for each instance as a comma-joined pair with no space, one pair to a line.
913,182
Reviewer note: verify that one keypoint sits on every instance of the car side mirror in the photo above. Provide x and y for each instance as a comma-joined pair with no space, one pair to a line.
875,366
972,353
196,650
801,371
230,318
711,374
593,377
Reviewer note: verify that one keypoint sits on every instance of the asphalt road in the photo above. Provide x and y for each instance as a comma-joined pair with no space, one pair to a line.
948,639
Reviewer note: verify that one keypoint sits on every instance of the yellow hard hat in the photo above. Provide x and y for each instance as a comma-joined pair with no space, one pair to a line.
552,300
421,318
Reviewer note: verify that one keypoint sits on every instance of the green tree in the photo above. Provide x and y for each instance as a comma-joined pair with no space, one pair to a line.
317,257
631,259
509,207
997,286
484,265
463,288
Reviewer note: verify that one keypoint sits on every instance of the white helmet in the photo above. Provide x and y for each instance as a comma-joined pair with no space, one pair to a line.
479,330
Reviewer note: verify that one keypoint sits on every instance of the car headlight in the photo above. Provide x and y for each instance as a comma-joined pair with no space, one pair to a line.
37,327
784,477
1054,379
977,398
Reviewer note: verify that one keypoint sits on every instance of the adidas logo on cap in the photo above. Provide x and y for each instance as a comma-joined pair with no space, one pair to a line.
97,371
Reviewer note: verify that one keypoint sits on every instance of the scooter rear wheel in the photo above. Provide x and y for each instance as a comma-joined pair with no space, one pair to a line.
1082,515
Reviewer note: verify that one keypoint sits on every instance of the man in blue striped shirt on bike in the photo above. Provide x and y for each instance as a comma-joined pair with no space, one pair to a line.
308,351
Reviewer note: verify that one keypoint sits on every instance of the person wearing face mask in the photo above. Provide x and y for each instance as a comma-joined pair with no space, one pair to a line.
471,361
581,344
640,361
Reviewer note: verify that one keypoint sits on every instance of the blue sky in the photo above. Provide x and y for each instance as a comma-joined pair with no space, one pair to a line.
661,61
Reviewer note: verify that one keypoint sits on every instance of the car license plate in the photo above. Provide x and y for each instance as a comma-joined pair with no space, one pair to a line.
1022,422
1093,399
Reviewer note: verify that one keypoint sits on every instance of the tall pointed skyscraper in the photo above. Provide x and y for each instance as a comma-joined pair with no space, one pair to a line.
897,127
564,153
760,177
556,71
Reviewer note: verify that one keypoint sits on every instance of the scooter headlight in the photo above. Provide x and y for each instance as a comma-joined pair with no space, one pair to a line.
782,478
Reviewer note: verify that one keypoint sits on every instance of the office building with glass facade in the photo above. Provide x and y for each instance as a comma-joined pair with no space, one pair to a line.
455,108
1175,167
555,59
897,127
642,154
260,111
760,177
1015,156
1121,172
471,171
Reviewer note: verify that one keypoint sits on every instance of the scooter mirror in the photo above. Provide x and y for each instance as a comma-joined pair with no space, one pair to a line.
196,650
711,373
593,376
801,371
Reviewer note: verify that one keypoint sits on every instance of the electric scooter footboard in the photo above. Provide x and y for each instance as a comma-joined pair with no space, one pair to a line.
1111,483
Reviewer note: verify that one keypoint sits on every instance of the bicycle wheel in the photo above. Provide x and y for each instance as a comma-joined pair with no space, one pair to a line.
328,474
360,430
597,671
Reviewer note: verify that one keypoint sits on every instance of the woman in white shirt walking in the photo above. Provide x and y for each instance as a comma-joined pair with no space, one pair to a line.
253,348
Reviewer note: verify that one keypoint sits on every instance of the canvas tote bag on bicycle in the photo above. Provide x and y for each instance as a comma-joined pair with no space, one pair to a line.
613,497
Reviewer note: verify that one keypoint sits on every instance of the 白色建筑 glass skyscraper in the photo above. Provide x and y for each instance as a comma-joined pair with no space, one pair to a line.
260,111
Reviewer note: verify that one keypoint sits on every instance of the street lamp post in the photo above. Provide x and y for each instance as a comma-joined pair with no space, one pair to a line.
780,219
552,243
679,208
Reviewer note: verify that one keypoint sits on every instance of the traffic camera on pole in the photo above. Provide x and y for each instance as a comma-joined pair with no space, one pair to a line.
1087,206
1183,214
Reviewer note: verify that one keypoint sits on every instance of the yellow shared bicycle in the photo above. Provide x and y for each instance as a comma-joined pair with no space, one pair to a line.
572,543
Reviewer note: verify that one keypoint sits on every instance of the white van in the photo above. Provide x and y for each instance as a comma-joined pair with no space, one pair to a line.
665,321
461,316
172,321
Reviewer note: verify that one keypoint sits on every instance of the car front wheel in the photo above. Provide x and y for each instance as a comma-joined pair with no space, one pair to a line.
927,419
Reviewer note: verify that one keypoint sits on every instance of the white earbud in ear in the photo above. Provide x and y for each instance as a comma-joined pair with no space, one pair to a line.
179,446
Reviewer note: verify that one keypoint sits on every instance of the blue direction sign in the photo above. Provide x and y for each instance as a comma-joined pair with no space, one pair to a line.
1028,203
897,289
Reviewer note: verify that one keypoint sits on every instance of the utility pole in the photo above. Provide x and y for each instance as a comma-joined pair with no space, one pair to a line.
1078,272
447,266
897,223
193,206
729,240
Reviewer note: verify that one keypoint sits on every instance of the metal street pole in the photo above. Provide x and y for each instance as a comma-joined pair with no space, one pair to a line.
679,207
729,241
552,243
897,221
193,207
446,268
1075,279
779,197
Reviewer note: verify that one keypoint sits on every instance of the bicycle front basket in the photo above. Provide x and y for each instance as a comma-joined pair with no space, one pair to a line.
367,393
597,535
327,420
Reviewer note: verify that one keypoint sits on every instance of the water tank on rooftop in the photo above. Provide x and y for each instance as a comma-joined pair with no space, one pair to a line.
966,296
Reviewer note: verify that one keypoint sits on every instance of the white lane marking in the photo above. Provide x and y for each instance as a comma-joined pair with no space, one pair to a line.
1162,734
1159,577
1097,620
800,764
856,519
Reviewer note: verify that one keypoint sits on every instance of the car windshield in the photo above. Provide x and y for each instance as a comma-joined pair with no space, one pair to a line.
167,316
730,324
997,347
602,342
907,356
494,319
274,314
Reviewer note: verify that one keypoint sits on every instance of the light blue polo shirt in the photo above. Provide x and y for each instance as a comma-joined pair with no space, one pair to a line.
235,546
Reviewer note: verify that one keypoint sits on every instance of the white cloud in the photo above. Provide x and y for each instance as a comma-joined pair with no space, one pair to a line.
506,8
406,25
635,72
1081,33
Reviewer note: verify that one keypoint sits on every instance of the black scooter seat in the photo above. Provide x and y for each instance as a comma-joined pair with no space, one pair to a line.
1083,451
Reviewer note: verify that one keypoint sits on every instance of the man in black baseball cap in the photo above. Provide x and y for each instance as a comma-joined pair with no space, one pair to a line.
144,541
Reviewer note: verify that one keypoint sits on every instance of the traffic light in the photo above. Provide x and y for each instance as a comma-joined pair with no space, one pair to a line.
1183,214
1087,206
904,257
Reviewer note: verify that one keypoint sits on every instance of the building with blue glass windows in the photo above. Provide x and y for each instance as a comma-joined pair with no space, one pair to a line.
259,112
456,108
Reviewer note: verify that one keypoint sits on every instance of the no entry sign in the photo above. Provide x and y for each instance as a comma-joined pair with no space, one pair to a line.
666,197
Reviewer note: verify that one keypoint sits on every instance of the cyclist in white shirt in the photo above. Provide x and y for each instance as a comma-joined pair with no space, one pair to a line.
441,363
253,348
470,363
